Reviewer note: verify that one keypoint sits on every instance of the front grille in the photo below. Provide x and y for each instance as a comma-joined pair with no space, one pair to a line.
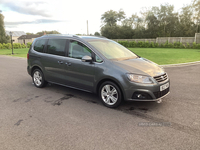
161,78
161,93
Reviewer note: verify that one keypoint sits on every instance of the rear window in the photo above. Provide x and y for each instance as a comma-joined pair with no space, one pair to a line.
56,47
39,45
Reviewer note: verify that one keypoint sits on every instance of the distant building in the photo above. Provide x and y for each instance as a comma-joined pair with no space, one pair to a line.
24,39
16,35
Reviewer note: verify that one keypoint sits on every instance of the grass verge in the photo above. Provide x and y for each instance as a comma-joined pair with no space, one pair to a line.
160,56
163,56
17,52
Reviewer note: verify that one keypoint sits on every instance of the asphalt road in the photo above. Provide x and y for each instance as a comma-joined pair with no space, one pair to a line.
60,118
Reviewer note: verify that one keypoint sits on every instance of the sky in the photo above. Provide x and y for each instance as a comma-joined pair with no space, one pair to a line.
69,16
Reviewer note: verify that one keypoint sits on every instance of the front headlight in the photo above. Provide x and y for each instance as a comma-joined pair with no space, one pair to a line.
140,79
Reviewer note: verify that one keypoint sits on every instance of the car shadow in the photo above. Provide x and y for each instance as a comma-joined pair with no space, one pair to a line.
141,106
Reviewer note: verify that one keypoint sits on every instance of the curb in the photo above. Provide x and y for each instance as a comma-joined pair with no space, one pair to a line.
181,64
16,57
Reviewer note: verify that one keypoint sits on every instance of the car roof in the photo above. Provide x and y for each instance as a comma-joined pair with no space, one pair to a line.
75,36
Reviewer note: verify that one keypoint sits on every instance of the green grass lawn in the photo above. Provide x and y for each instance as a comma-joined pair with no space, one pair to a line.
17,52
163,56
158,55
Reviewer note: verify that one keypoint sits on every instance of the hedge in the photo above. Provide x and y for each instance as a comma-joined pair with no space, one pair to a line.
15,45
131,44
140,44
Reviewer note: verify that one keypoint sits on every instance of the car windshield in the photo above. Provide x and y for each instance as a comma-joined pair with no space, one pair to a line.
112,50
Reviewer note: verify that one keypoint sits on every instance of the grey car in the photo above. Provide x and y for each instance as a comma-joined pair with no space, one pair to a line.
97,65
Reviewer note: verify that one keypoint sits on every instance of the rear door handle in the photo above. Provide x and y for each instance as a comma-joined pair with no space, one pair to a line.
68,63
60,62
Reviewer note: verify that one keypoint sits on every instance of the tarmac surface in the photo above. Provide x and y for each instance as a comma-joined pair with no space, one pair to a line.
60,118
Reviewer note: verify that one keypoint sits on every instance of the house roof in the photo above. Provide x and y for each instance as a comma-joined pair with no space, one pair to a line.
16,33
28,36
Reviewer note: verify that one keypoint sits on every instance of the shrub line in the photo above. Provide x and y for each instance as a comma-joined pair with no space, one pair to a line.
141,44
15,45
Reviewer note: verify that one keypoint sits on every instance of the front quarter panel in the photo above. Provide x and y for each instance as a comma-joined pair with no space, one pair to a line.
108,71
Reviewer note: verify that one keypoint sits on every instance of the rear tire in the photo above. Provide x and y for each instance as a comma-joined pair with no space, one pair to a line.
110,94
38,78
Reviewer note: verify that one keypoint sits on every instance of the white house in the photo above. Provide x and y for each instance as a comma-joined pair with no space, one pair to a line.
15,35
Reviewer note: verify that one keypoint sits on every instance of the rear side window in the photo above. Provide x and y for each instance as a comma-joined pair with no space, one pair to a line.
39,45
56,46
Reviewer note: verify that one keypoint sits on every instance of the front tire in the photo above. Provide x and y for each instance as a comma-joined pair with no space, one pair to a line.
110,94
38,78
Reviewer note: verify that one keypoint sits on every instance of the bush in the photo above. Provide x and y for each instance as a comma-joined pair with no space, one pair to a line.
132,44
28,44
166,44
140,44
5,46
9,46
184,46
181,45
23,46
194,45
162,45
152,45
156,45
170,45
178,44
188,45
124,43
16,45
146,44
174,45
198,46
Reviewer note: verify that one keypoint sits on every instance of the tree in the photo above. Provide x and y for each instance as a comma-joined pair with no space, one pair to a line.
3,37
196,15
47,32
110,32
152,26
187,25
111,17
153,22
161,21
28,33
97,34
117,32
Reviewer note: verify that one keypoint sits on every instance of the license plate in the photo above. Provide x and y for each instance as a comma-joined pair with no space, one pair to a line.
163,87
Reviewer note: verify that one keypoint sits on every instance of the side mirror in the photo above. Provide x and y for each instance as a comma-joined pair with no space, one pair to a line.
86,59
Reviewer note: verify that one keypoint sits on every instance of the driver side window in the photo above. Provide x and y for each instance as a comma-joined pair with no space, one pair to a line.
78,50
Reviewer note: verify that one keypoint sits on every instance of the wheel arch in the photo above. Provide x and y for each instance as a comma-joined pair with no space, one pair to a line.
35,67
111,80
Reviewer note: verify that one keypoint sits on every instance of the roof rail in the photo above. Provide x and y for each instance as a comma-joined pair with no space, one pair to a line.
71,35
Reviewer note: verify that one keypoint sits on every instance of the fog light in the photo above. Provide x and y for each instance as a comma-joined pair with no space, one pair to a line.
141,95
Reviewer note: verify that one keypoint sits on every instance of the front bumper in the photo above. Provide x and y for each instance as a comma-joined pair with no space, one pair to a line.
143,92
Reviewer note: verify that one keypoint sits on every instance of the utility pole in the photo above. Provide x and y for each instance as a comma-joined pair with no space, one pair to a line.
11,33
87,28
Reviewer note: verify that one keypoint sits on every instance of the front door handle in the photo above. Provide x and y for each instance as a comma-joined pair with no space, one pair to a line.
60,62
